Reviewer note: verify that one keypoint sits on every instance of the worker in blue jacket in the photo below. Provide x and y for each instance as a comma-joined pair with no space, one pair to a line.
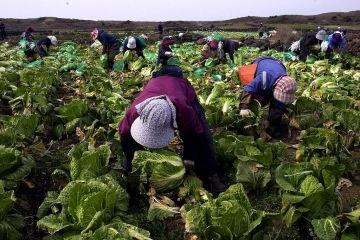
267,82
336,42
111,45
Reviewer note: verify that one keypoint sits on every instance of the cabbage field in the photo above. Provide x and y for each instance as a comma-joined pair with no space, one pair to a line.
61,158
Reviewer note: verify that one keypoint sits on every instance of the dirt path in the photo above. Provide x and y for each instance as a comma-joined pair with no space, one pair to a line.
34,188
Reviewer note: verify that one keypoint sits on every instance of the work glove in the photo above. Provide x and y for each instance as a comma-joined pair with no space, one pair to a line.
169,54
246,113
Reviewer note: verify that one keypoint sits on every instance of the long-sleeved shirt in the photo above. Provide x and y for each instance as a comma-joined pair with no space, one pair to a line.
268,71
106,40
333,45
45,41
139,47
190,118
181,94
162,57
27,36
230,46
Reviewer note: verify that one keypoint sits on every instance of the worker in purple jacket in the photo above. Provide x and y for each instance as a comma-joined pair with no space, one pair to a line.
111,45
268,83
168,103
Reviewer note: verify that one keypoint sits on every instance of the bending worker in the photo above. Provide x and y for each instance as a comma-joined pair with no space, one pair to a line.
336,42
27,35
266,81
230,47
168,103
135,45
310,40
43,45
218,49
165,52
111,45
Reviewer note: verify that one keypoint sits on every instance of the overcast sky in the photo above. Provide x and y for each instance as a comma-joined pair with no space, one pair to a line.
164,10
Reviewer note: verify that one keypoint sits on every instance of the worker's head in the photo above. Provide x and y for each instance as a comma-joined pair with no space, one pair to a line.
131,43
336,37
53,40
94,34
285,89
30,29
321,35
213,44
167,41
181,35
155,126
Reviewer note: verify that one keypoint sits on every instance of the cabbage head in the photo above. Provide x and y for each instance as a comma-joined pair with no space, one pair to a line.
162,170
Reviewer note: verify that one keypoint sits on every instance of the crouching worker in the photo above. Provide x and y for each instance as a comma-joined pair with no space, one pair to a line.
166,104
310,42
111,46
43,45
230,47
211,50
133,48
27,44
267,82
165,52
135,45
336,42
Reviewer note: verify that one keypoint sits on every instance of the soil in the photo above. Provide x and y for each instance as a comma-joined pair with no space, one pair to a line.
350,196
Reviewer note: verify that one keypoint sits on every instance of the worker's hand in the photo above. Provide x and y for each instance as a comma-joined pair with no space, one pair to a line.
246,113
314,85
169,54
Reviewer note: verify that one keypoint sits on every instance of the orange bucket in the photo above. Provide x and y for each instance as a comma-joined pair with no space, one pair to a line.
247,73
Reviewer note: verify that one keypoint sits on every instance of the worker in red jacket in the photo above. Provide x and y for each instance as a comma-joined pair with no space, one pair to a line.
168,103
266,81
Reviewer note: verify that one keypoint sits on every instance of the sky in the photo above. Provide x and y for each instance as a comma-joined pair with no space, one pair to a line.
166,10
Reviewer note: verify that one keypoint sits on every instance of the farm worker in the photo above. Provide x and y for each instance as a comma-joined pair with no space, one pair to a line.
135,45
262,30
165,52
219,49
27,43
168,103
111,45
160,29
27,35
2,31
143,38
336,42
211,50
229,46
266,81
309,41
43,45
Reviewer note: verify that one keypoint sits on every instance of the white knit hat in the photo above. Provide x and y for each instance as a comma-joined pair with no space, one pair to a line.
53,40
321,35
154,128
131,43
